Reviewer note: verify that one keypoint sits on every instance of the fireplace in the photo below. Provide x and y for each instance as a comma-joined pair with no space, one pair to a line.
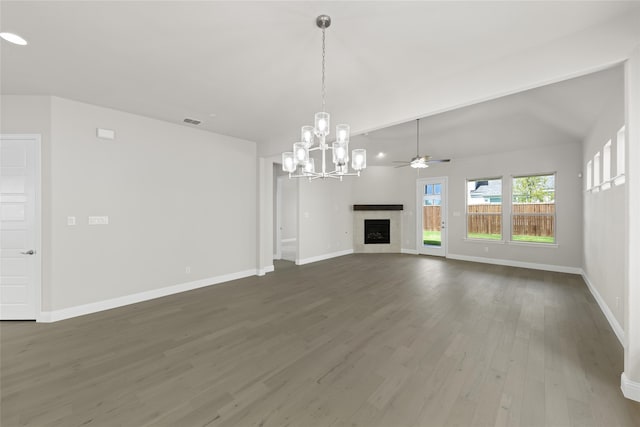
377,231
377,228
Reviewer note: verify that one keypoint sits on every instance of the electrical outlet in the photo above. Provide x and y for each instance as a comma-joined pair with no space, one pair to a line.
486,248
187,270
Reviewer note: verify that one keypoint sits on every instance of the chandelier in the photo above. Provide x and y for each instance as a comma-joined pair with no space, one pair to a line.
299,164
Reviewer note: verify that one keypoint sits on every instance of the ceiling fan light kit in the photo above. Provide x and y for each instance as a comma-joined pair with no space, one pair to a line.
299,164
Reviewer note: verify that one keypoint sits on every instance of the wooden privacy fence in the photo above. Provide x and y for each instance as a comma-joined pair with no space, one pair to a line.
529,219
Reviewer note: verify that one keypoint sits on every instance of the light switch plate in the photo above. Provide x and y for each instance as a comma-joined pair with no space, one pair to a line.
98,220
71,220
105,133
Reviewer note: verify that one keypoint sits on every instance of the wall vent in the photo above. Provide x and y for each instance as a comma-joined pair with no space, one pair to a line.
192,121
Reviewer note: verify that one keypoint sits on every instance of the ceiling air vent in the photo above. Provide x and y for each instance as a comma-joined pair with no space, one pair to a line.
192,121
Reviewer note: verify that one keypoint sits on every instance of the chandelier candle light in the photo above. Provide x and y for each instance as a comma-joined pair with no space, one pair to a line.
298,162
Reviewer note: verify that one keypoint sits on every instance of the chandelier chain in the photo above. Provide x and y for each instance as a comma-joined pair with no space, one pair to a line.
324,87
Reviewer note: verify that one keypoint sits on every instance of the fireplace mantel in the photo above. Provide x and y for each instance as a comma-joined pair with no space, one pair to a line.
378,207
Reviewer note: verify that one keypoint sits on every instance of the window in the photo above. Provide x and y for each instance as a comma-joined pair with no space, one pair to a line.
484,209
432,195
596,172
589,169
533,209
620,157
606,166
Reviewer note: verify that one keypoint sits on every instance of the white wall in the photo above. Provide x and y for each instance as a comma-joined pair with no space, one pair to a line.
289,207
389,185
381,185
325,221
565,161
165,189
631,378
604,213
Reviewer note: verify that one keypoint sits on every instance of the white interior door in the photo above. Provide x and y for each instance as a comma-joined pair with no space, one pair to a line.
431,216
19,234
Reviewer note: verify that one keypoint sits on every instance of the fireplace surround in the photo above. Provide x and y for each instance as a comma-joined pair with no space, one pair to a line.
384,231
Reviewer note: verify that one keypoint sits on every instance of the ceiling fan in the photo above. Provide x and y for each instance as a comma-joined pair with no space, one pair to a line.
420,161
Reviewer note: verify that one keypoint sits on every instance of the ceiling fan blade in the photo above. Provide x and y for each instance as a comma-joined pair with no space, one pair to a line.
438,161
403,166
400,161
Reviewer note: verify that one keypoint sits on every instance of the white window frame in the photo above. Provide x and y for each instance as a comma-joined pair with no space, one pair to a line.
606,166
501,214
620,156
555,211
596,172
589,175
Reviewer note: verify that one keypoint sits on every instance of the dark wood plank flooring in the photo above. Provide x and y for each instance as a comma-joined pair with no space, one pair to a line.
360,340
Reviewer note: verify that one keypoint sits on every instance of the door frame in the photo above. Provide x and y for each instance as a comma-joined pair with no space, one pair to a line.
278,231
37,217
420,248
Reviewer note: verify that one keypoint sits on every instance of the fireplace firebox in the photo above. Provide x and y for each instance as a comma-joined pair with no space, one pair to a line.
377,231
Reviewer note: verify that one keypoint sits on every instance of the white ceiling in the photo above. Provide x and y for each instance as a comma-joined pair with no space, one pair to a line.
560,113
256,65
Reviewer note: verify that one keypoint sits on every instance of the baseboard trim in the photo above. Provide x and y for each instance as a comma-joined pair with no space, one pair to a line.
409,251
323,257
265,270
613,322
94,307
521,264
630,389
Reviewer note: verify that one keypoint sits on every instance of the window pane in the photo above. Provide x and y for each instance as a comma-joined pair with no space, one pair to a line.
431,217
606,162
436,189
596,170
620,152
533,209
484,209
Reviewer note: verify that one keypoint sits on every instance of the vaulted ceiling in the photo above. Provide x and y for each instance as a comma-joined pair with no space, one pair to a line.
252,69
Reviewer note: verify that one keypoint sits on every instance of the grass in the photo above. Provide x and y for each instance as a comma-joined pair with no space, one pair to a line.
485,236
516,238
536,239
432,238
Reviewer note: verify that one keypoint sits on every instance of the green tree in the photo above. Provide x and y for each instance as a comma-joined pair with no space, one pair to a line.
531,189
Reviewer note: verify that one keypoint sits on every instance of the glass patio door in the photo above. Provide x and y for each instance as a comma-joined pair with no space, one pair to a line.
431,216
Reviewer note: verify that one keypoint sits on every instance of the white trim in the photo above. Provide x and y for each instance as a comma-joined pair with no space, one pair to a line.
444,209
323,257
409,251
619,180
630,389
521,264
265,270
613,322
37,217
94,307
293,239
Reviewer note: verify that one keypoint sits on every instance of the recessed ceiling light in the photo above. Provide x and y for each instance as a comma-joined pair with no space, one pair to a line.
13,38
380,155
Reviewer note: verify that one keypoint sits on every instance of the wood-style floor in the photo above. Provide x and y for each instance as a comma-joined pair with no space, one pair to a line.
360,340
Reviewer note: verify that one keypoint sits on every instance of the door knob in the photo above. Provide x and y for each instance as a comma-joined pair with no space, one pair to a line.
29,252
